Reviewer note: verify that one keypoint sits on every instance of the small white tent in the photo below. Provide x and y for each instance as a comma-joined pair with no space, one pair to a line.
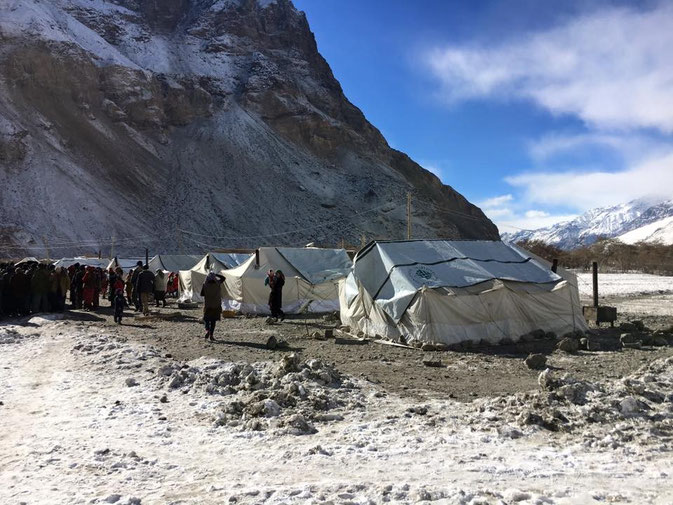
451,291
311,280
191,281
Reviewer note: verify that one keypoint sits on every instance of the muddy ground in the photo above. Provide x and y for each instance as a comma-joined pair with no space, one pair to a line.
483,372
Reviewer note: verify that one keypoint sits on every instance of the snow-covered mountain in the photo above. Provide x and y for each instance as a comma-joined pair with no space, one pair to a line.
192,124
639,220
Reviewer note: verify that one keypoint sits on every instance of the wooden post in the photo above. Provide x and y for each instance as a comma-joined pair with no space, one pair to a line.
554,265
256,258
147,257
408,215
595,279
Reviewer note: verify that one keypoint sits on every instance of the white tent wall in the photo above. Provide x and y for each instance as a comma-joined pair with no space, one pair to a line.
191,281
245,290
489,310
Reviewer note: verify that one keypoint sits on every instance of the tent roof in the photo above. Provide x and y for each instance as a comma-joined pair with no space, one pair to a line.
317,265
392,272
28,259
174,262
125,263
92,262
230,260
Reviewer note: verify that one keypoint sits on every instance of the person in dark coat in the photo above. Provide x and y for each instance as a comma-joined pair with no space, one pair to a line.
77,287
145,288
8,297
212,302
21,292
134,283
276,296
39,289
111,292
118,303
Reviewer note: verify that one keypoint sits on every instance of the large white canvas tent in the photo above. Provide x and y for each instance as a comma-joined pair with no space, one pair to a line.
173,262
311,280
452,291
192,279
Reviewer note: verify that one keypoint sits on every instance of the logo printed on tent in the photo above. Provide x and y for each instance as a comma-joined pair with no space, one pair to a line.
423,275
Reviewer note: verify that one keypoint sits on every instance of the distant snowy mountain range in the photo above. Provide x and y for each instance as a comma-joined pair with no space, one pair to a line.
640,220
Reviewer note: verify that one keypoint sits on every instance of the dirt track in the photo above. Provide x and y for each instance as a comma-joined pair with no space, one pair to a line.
477,373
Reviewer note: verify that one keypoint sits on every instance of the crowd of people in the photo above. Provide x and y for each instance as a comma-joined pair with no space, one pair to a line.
31,288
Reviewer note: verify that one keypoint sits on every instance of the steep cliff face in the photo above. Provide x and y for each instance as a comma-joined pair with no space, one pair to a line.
193,124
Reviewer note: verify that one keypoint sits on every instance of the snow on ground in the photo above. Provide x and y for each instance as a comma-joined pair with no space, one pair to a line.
89,418
624,284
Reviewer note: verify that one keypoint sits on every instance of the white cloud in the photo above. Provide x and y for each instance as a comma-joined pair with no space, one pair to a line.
499,213
496,201
612,68
583,191
508,220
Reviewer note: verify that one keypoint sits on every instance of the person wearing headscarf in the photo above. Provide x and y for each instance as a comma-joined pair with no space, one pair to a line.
90,282
160,285
129,287
212,302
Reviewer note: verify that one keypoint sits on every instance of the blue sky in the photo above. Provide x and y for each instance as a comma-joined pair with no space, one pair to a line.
534,110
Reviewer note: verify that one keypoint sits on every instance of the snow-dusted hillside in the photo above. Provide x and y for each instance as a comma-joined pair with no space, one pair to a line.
660,232
192,124
639,220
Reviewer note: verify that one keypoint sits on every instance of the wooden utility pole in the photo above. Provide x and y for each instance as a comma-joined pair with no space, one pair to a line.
594,268
409,215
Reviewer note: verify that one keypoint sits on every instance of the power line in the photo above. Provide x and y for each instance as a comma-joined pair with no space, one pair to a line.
298,230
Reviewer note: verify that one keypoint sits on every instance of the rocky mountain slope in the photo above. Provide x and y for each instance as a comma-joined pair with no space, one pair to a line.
192,124
647,219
